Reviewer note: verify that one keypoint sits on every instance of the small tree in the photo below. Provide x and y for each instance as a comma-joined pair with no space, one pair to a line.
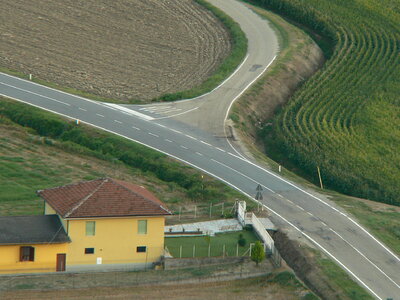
257,253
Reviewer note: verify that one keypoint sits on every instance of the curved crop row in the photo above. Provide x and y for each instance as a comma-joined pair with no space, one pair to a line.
346,118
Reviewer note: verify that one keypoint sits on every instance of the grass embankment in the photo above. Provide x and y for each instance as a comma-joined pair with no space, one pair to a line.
24,170
341,279
345,119
217,244
230,63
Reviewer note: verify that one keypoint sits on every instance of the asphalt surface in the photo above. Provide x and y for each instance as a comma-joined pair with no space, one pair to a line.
185,135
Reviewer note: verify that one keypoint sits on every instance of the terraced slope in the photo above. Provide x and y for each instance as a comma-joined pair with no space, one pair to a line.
346,119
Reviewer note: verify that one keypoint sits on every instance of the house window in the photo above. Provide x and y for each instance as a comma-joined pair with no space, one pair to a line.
141,249
90,228
27,253
89,250
142,227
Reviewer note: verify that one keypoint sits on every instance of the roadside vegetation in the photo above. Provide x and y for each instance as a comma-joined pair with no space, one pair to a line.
344,120
21,176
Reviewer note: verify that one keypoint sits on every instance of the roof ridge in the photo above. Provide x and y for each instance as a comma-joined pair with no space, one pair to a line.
70,184
136,194
85,199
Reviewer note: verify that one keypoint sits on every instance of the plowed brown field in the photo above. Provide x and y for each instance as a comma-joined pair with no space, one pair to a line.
121,49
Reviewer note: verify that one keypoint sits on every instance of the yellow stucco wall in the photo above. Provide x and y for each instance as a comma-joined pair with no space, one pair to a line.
45,258
115,241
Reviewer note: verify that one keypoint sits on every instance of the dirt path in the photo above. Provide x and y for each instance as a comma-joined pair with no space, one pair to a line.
118,49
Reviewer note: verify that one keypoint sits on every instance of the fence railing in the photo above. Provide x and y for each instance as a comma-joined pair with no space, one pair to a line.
259,228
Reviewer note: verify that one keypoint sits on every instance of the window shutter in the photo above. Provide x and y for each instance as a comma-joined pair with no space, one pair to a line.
21,254
31,254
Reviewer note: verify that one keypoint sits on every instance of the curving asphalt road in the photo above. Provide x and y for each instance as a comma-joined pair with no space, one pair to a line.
189,131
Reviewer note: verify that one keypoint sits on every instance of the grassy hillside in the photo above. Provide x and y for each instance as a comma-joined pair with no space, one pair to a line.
346,119
50,151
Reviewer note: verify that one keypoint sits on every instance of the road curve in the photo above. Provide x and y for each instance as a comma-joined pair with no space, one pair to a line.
328,227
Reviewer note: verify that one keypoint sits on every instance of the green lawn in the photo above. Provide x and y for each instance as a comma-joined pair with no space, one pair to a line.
217,243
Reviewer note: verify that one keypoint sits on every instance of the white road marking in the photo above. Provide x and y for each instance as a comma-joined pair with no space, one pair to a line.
153,134
82,109
198,153
280,195
116,121
310,214
359,252
184,147
100,115
232,169
135,128
174,130
322,201
220,149
182,113
219,178
205,143
127,110
300,207
167,140
163,126
189,136
171,110
29,92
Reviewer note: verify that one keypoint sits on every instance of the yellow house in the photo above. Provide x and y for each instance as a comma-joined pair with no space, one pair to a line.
32,244
106,224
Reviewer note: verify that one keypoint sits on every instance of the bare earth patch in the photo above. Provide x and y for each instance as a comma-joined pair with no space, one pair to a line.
122,49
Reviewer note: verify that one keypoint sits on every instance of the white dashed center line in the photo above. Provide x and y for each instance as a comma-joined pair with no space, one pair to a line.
135,128
220,149
167,140
184,147
82,109
153,134
198,153
100,115
116,121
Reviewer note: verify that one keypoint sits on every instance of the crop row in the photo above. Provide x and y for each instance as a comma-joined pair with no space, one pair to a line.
333,120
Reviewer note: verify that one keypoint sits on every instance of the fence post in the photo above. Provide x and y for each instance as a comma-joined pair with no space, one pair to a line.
210,209
195,211
194,249
237,249
180,251
250,249
209,250
222,213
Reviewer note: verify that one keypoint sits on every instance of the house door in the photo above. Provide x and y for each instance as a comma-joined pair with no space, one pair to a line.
61,258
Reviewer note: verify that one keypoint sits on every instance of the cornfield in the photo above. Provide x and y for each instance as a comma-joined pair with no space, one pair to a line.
346,118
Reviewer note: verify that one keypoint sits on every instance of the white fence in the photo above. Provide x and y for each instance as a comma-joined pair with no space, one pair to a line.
260,229
241,212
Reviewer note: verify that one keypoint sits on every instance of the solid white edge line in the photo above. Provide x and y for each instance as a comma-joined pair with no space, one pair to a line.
241,174
221,179
36,94
237,97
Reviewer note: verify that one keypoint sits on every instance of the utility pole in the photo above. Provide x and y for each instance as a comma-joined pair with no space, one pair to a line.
320,179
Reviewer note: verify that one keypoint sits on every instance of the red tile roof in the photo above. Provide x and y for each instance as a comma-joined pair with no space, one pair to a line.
103,197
